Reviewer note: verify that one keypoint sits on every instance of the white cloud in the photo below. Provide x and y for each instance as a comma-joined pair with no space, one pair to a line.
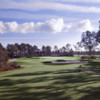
50,26
53,26
26,27
80,26
14,27
11,26
85,25
2,27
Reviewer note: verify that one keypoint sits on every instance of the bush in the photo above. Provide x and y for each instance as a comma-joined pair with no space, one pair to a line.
92,57
84,57
14,65
87,57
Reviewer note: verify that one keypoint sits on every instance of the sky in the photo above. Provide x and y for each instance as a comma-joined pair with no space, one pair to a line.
47,22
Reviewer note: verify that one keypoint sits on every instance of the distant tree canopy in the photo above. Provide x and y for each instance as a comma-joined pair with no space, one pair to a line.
12,50
89,41
98,36
46,51
21,50
68,47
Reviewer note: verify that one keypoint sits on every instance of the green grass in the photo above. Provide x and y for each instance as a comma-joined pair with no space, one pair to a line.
39,81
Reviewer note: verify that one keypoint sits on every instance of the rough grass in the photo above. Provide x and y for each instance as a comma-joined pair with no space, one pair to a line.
39,81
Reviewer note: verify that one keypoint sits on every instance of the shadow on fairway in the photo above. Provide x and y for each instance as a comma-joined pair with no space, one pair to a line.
93,93
61,82
91,63
30,74
43,73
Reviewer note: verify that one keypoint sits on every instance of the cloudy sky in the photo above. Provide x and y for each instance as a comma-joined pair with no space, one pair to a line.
47,22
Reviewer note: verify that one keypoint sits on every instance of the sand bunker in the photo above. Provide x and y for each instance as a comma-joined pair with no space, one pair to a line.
69,62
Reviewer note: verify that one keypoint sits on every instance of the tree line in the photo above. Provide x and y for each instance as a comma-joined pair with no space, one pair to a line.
26,50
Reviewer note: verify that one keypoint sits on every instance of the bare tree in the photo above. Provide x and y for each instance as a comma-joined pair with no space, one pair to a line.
68,47
78,48
3,57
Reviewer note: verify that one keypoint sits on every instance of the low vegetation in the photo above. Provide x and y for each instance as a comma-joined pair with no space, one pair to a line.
4,65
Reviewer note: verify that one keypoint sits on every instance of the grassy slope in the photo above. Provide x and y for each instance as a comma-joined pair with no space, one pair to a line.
37,81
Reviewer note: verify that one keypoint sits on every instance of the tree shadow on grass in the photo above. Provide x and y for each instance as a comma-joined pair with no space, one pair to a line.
94,66
93,93
91,63
57,88
43,73
38,93
36,96
30,74
50,63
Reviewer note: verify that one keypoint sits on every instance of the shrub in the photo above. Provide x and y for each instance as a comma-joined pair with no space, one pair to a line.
87,57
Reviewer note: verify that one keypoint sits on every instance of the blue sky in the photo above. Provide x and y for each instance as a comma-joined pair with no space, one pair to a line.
47,22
